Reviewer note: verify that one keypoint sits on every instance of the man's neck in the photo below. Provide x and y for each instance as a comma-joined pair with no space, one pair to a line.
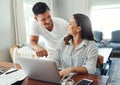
50,28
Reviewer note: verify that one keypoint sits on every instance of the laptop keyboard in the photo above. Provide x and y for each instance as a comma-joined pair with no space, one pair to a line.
1,71
69,76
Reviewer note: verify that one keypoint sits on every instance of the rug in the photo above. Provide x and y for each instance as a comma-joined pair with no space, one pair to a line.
114,72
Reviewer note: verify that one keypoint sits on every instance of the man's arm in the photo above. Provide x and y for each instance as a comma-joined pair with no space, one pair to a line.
40,51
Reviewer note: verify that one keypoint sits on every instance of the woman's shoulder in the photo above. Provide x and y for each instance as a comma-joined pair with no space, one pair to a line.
90,42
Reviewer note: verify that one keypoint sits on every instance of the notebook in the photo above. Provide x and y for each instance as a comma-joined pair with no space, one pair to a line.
40,69
11,76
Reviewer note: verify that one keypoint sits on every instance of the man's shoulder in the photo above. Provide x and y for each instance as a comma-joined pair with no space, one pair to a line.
57,19
33,21
34,24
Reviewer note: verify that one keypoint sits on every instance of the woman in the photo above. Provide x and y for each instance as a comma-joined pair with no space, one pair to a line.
77,52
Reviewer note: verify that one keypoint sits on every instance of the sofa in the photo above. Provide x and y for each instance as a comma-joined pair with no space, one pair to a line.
98,36
115,42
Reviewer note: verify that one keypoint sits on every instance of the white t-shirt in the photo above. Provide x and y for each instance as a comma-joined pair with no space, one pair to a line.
51,37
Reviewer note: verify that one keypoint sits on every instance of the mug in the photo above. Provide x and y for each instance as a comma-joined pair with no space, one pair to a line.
67,82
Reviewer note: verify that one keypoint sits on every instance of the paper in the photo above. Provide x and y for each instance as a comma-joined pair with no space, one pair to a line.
8,79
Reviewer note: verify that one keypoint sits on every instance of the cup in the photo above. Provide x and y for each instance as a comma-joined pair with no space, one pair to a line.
67,82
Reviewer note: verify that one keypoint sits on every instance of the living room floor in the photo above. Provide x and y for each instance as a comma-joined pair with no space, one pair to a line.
114,72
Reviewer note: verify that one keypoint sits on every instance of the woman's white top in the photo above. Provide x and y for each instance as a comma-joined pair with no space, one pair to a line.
85,54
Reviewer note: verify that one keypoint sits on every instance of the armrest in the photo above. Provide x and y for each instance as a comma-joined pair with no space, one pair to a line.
100,61
105,42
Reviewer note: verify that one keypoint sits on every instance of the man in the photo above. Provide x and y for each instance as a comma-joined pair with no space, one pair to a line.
51,28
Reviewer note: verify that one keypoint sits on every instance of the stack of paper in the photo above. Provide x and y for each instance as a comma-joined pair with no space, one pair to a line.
11,76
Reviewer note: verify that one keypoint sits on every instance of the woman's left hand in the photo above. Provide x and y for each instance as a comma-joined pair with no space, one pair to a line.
65,72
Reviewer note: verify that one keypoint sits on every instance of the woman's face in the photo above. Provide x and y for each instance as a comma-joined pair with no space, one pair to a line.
73,29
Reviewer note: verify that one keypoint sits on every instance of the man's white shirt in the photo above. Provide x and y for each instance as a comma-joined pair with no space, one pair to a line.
51,37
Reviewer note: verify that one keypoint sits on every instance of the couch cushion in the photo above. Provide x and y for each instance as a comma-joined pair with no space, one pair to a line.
98,36
114,45
115,36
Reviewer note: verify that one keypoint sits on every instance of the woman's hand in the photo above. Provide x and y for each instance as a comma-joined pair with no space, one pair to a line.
65,72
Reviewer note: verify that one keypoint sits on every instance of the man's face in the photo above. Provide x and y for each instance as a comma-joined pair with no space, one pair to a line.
45,19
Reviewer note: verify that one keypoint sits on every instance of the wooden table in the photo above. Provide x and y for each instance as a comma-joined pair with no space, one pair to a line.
97,79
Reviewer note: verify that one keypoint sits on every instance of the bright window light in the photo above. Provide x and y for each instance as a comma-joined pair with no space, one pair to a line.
106,19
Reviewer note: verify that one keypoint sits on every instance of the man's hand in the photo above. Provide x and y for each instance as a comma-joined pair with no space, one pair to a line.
40,51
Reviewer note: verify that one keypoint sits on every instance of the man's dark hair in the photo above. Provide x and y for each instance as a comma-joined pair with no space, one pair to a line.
39,8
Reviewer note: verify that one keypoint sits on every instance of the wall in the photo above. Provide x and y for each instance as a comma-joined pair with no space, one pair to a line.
65,8
104,2
6,30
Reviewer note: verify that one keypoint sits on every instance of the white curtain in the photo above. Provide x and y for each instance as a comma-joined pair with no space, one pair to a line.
86,4
19,21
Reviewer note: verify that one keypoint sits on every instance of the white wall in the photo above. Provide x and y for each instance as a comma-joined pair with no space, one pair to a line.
66,8
104,2
6,30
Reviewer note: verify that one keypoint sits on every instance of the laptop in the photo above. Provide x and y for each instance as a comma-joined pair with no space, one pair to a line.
40,69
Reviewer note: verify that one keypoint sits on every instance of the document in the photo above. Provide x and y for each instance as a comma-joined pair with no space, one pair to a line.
11,76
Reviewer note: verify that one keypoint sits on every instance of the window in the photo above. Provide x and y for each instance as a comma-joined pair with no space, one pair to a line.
28,18
106,19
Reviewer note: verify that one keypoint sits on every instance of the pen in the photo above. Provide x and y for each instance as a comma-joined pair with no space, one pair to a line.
11,71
